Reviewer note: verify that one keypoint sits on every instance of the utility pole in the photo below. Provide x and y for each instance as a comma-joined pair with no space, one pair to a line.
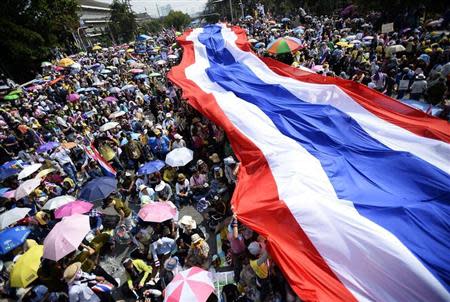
157,9
231,11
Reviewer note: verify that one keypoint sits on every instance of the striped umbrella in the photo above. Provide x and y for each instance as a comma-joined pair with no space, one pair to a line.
284,45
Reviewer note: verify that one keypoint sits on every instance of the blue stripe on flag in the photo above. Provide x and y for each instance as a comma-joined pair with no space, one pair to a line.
397,190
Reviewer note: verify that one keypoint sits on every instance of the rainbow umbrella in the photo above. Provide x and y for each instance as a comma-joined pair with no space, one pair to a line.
284,45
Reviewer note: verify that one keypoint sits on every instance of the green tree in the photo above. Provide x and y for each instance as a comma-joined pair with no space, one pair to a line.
177,19
151,26
29,29
123,21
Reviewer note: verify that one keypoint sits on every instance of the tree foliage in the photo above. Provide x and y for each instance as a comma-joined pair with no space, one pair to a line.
29,29
123,22
177,19
151,26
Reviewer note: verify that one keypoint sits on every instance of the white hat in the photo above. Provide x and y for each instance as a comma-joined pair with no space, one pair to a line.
188,221
177,136
168,114
159,187
142,187
229,160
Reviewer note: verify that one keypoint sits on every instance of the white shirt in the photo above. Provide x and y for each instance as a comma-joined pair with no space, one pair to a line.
419,86
62,156
178,144
182,187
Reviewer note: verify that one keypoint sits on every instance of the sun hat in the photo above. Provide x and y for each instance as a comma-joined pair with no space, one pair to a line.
421,76
215,158
188,221
71,272
159,187
142,187
177,136
181,177
157,131
195,238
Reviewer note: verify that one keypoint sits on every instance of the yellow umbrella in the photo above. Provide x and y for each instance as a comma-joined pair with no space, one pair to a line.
66,62
97,47
342,44
45,172
24,271
130,50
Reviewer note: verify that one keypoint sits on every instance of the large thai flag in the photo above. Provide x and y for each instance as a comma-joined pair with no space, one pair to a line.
351,188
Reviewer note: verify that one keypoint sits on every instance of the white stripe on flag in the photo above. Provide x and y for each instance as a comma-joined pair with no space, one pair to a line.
371,262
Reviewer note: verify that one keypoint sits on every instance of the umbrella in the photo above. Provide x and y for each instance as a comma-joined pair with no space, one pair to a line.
179,157
75,66
342,44
56,202
151,167
47,147
4,190
11,97
396,48
161,62
66,62
136,70
173,57
284,45
11,238
157,212
114,90
154,74
143,37
66,236
28,170
248,17
46,64
73,97
299,30
24,271
99,188
26,188
15,214
110,99
9,194
109,126
317,68
117,114
72,208
285,20
8,172
105,71
141,76
129,86
259,45
194,285
44,173
97,47
253,40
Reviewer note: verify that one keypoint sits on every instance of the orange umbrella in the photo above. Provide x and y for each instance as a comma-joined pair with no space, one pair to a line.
69,145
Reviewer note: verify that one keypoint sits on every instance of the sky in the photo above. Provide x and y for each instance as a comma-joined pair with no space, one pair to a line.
187,6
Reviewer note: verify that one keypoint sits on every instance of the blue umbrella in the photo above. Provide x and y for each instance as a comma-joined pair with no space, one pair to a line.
285,20
99,188
11,238
151,167
259,45
47,147
143,37
10,164
4,190
141,76
8,172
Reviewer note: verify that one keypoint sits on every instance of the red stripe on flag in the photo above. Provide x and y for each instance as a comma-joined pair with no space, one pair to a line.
258,205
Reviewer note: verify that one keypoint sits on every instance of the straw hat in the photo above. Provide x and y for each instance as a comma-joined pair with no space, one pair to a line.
215,158
159,187
71,271
181,177
195,238
188,221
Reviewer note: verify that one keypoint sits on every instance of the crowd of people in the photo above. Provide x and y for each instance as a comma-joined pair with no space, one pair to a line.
101,158
411,63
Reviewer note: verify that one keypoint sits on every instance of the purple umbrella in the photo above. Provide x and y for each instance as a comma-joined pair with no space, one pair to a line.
110,99
47,147
73,97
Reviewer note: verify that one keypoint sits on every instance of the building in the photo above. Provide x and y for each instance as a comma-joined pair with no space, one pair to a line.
142,17
94,18
164,10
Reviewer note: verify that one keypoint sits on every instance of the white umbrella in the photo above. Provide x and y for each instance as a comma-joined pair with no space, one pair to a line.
179,157
26,188
75,66
105,71
46,64
28,170
12,216
56,202
396,48
109,126
116,114
161,62
172,56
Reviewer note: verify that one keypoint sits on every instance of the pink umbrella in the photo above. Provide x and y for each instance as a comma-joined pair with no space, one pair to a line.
66,236
194,285
157,212
9,194
136,70
72,208
317,68
73,97
110,99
